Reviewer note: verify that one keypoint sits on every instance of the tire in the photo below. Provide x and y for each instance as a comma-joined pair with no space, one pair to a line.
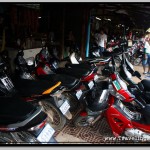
57,122
74,104
137,61
81,121
24,138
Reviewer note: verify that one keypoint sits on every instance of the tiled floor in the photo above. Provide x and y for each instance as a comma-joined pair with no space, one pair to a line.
88,135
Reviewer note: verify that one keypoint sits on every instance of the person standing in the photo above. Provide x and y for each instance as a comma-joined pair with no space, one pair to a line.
101,40
146,55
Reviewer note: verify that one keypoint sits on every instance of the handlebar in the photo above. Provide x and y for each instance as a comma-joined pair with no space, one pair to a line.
139,103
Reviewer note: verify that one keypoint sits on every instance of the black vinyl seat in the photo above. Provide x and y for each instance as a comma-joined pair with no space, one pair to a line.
13,110
75,72
97,60
84,65
33,87
66,81
146,84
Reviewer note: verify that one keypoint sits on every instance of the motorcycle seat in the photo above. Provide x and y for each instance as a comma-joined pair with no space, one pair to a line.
66,81
146,84
75,72
98,60
33,87
82,65
13,110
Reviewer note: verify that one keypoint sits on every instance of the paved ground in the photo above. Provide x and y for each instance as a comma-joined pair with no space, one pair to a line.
87,135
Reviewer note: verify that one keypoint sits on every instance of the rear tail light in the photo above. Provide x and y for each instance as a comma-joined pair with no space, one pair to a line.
82,87
89,77
83,114
29,99
41,125
5,128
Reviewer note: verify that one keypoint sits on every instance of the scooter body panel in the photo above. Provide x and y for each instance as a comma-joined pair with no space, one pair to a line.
117,121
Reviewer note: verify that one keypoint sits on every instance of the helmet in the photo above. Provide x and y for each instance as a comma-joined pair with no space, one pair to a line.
148,30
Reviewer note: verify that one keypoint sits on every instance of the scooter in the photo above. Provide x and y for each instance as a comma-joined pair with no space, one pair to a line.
85,72
23,123
74,89
140,89
90,94
122,120
39,93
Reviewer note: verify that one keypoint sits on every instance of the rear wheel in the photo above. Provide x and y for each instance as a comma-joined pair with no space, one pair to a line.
137,61
56,119
74,104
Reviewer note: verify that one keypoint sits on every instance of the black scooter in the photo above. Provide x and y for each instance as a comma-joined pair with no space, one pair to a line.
23,123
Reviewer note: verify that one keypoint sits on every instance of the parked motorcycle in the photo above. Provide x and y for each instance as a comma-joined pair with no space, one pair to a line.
122,119
48,95
140,89
73,87
139,56
23,123
89,93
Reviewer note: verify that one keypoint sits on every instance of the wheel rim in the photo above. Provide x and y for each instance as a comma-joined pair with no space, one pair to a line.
53,116
137,61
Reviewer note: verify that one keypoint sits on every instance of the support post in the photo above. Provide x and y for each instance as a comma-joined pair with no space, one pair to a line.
88,36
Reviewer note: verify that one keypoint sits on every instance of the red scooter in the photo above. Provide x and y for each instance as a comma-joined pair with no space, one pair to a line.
47,65
123,119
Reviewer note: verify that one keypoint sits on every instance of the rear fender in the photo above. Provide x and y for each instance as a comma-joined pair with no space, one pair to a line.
58,103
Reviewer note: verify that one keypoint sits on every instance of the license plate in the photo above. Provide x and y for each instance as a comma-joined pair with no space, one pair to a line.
91,84
96,77
78,94
7,83
117,85
46,134
64,107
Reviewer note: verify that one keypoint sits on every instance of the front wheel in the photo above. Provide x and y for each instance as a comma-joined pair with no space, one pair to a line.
56,119
83,121
99,73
